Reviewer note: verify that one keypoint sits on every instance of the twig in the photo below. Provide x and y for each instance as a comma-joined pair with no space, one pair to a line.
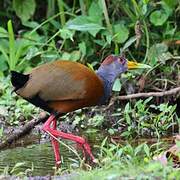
22,131
149,94
143,95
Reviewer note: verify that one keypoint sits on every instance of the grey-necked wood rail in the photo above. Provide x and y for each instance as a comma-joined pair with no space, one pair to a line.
61,86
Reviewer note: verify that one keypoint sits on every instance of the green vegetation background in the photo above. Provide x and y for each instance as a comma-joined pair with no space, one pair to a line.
34,32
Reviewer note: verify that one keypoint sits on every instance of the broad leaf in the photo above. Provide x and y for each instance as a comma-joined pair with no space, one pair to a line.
3,32
158,18
95,12
117,85
32,52
3,64
82,47
84,23
24,8
121,33
156,52
75,55
171,3
66,33
129,43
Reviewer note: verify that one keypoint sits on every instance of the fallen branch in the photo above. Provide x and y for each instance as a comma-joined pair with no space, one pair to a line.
22,131
149,94
143,95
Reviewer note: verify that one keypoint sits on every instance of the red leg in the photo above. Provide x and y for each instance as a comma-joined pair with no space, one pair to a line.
79,146
81,141
55,145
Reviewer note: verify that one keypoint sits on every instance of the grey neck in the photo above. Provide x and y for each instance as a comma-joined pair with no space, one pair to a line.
106,73
108,79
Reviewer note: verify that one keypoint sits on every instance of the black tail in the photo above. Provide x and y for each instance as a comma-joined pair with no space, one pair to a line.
18,80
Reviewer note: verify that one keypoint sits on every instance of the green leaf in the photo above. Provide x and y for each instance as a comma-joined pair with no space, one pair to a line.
12,61
168,10
171,3
158,17
49,56
84,23
3,51
127,108
16,166
145,1
157,53
3,32
66,33
66,56
3,64
24,9
111,131
82,47
90,66
121,33
129,43
30,24
32,52
95,12
147,150
138,149
117,85
75,55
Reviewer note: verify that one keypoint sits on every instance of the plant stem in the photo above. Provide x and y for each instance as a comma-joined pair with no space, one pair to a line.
49,19
50,8
138,13
147,41
74,5
106,16
61,10
83,7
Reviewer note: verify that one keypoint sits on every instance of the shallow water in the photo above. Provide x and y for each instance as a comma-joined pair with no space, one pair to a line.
38,154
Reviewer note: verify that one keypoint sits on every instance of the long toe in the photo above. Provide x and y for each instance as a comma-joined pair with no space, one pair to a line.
80,146
88,150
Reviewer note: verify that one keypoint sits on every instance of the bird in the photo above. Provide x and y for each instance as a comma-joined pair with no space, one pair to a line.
62,86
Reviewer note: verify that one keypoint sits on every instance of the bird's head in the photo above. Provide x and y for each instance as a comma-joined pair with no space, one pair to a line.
112,66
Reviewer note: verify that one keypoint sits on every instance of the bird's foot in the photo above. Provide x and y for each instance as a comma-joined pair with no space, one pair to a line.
87,149
80,147
56,133
58,164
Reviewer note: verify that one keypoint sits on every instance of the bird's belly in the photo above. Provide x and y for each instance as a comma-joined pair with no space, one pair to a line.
69,105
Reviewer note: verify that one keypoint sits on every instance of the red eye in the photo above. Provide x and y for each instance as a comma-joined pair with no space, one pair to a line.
121,60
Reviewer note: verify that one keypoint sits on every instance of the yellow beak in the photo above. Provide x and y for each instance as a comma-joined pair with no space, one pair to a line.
135,65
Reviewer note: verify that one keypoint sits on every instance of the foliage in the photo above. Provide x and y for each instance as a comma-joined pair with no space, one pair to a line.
98,33
13,108
25,9
132,120
33,32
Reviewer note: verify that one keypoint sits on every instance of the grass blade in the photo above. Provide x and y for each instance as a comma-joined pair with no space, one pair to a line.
12,61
